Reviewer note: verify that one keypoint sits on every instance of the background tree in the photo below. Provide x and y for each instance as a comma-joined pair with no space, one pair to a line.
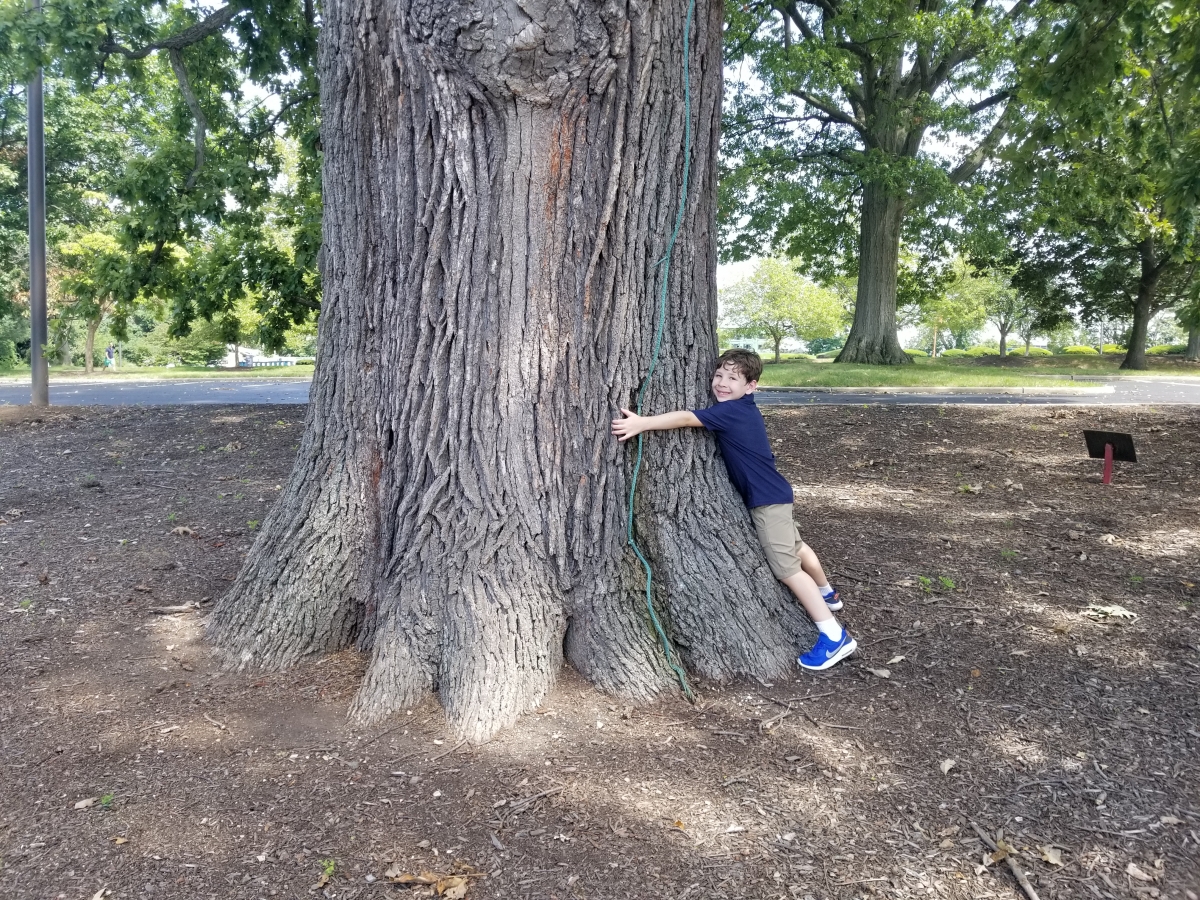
210,112
1105,168
959,307
99,275
1188,316
827,160
778,303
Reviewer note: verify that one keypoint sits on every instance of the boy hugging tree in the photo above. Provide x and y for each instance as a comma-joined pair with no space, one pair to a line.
742,436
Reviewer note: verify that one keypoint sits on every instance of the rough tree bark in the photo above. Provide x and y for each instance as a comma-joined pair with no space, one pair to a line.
872,337
1193,344
1144,305
500,184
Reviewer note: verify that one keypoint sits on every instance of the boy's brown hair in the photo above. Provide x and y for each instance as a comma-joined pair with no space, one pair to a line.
747,362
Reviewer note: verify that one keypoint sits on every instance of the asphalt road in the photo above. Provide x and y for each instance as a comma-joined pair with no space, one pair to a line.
294,390
166,392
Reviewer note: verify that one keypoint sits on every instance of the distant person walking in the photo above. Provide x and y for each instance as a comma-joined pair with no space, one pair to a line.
110,357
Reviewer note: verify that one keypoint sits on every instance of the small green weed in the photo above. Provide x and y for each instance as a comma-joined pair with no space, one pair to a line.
25,604
946,582
1136,579
172,517
252,524
328,867
925,583
106,801
1009,554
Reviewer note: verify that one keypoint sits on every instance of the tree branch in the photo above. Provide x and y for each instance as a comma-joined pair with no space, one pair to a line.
989,102
174,45
832,111
974,160
193,35
189,96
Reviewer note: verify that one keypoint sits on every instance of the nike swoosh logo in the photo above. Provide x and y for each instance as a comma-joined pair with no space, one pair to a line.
829,653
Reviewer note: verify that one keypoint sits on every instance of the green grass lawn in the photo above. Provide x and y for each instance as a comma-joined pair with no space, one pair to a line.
1017,372
57,373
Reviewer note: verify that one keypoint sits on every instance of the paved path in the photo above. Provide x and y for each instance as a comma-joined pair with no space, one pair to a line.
1118,393
165,392
295,390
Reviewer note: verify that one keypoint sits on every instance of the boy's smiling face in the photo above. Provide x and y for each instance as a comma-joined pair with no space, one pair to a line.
728,383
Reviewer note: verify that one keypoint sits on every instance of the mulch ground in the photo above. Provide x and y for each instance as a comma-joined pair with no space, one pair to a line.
1030,665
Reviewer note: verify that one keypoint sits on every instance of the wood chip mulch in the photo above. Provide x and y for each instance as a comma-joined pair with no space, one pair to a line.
1029,680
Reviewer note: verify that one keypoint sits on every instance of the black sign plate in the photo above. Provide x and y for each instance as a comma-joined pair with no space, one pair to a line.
1122,445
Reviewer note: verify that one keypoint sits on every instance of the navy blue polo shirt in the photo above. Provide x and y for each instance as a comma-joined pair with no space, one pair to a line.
742,436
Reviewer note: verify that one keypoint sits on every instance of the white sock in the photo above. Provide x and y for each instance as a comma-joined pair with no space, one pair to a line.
830,628
825,590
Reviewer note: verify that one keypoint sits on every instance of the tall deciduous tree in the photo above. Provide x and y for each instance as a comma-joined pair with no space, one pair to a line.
828,157
1107,166
500,184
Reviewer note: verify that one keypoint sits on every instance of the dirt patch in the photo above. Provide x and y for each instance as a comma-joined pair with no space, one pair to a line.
970,543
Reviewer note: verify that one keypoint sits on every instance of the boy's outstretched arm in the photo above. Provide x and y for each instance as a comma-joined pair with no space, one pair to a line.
633,424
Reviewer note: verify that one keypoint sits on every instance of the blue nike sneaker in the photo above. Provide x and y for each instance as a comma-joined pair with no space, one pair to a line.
834,600
826,653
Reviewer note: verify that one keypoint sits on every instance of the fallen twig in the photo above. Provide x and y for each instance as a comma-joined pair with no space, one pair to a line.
173,610
1012,863
831,725
519,806
447,752
768,724
211,721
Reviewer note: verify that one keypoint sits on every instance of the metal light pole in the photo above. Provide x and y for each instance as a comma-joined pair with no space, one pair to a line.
36,160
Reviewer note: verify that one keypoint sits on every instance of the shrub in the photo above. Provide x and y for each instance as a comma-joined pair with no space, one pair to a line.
824,345
305,362
1079,350
1033,351
8,354
951,354
829,354
980,350
1159,350
914,352
1114,348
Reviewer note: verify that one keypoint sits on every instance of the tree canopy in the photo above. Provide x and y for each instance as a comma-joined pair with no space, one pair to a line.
190,137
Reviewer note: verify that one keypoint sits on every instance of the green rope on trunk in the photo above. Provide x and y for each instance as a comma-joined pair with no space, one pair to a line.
665,262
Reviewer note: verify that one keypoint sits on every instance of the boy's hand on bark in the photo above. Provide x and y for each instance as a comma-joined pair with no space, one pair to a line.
628,427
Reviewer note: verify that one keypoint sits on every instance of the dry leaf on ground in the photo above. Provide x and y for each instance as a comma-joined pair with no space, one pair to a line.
947,765
1134,872
1051,854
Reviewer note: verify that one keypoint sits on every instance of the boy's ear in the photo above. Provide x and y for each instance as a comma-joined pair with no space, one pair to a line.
751,386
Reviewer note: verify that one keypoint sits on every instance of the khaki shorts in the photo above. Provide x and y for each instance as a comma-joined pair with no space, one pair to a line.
779,538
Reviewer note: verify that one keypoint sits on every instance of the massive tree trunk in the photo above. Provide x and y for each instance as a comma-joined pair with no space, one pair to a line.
501,180
1143,308
1193,344
872,337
